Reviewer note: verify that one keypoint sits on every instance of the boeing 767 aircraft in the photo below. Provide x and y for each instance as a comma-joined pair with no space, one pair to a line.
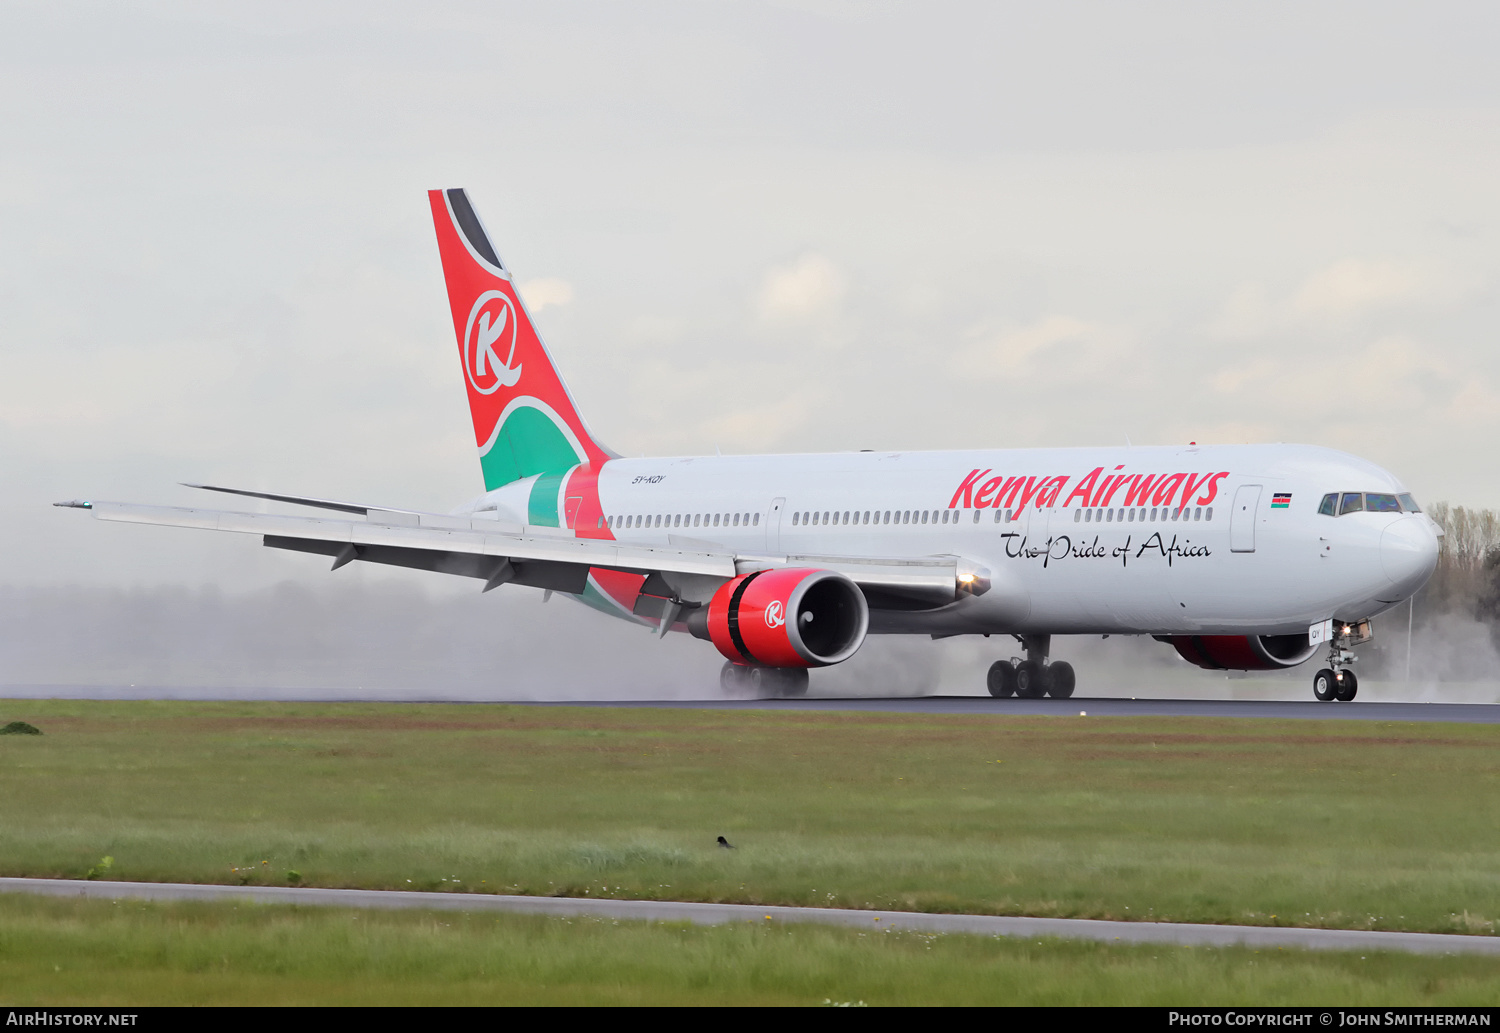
1240,557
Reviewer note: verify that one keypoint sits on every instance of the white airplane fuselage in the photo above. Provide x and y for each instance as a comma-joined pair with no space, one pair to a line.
1056,564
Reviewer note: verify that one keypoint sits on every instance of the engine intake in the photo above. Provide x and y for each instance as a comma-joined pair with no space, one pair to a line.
793,617
1242,652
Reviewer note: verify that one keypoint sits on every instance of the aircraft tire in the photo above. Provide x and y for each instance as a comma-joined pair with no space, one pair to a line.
1001,679
732,678
1348,687
1325,686
1060,680
792,681
1031,680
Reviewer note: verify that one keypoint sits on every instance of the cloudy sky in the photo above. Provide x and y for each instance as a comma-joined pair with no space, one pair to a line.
794,226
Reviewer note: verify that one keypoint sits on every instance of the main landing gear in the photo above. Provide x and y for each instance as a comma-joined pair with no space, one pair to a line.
1336,681
1033,677
751,680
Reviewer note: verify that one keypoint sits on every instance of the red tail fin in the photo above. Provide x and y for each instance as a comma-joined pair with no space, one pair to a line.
525,422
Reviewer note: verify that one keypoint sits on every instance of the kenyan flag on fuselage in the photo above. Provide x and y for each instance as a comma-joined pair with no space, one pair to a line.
1281,500
525,423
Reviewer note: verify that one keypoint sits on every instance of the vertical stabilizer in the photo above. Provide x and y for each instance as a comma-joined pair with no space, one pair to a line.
525,422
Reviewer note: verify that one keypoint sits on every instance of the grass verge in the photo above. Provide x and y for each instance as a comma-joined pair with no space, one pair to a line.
1350,825
125,953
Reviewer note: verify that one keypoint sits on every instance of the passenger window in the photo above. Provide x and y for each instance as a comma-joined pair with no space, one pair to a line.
1330,504
1198,513
1208,514
1354,502
1382,504
1409,504
976,516
1153,514
1077,516
794,519
757,520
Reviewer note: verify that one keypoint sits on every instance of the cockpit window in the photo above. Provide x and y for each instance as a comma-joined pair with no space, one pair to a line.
1409,504
1382,503
1330,505
1354,502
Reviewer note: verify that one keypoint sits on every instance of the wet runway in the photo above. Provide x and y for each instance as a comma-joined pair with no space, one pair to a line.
1460,713
719,914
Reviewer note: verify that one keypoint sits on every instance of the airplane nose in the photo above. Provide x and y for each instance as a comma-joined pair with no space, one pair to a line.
1409,553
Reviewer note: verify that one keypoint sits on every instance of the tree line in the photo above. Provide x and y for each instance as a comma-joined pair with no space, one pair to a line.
1467,579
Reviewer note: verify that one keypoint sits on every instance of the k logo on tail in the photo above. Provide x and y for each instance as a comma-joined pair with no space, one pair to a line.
492,319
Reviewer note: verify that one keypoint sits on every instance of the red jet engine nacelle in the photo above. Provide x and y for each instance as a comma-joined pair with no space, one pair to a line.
1242,652
793,617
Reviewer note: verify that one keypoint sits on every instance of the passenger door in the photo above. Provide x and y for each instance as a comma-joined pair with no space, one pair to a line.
773,525
1242,518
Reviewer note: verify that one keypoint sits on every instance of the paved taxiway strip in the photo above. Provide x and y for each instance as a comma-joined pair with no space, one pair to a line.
719,914
1108,706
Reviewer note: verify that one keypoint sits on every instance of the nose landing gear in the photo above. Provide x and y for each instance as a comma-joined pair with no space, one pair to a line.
1336,681
1033,677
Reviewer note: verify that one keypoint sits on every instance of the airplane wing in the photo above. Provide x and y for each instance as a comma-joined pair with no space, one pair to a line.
499,553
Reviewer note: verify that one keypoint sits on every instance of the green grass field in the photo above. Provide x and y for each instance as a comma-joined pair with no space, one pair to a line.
1316,823
131,953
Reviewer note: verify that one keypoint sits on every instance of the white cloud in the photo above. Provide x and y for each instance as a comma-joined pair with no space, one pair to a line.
1351,287
1030,344
810,288
546,293
1337,293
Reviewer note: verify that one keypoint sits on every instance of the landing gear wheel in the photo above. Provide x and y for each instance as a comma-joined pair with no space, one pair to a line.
785,681
1031,680
1001,681
1325,685
734,678
1060,680
1348,686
